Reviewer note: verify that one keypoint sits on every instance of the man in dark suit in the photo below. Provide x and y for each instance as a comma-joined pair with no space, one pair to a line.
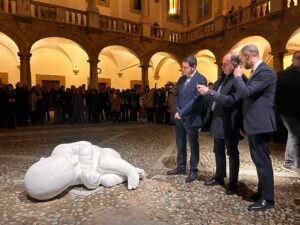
188,117
226,123
259,121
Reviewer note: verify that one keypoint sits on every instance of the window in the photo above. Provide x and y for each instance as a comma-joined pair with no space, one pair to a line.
136,6
103,2
175,10
204,10
174,7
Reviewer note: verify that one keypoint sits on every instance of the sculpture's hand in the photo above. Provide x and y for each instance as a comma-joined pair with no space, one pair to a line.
141,172
90,178
133,179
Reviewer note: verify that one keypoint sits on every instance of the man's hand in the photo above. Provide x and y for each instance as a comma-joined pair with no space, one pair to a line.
177,116
243,133
238,71
202,89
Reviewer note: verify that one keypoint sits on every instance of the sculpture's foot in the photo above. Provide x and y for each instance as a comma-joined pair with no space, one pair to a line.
133,179
141,173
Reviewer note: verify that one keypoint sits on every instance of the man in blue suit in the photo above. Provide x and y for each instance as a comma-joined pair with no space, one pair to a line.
188,117
259,121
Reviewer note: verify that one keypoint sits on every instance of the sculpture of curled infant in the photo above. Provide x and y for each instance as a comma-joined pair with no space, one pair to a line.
79,163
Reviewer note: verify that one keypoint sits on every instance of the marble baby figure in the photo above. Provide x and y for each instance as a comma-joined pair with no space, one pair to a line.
79,163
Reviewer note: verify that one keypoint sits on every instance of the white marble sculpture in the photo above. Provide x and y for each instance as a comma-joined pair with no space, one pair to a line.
79,163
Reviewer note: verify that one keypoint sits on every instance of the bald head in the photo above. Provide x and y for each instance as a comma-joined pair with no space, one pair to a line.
229,62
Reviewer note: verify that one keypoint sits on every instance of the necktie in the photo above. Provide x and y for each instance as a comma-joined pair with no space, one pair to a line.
188,78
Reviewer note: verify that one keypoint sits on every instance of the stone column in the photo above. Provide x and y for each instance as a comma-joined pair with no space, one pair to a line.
93,73
145,80
92,14
23,7
278,59
25,73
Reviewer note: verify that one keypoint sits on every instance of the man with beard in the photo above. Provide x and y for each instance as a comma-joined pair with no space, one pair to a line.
259,121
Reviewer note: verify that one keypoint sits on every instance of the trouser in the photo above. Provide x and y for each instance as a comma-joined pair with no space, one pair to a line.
260,154
234,161
183,130
293,142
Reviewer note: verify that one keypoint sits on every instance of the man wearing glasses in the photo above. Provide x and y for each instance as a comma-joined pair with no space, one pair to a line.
226,123
188,117
259,121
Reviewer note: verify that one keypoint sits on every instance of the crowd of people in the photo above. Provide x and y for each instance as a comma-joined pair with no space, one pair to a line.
23,106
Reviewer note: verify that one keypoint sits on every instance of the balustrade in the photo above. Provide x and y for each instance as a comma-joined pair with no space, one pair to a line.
8,6
248,13
119,25
57,13
77,17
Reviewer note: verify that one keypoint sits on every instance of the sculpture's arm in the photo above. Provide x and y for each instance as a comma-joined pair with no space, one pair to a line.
109,165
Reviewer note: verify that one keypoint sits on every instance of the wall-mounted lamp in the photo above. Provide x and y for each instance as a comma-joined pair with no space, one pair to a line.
75,70
99,70
120,74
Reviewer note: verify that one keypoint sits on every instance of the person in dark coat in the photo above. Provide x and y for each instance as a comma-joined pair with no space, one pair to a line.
226,123
286,99
259,121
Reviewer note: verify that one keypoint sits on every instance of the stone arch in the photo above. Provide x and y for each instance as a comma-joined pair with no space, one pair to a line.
292,45
10,63
120,67
207,64
59,59
164,68
12,33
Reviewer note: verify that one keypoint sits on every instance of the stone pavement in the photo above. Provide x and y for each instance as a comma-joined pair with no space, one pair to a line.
159,199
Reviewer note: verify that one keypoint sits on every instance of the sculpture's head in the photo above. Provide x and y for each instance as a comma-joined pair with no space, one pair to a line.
49,177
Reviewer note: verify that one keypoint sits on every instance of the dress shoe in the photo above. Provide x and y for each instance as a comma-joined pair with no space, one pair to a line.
176,171
252,198
193,176
261,205
232,190
213,182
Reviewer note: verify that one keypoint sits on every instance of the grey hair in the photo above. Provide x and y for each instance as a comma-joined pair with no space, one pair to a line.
191,60
251,49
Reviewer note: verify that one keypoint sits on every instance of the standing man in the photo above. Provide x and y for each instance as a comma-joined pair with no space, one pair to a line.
226,123
286,99
259,121
188,117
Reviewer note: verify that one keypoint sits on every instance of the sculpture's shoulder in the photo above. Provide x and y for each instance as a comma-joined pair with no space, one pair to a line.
106,152
70,148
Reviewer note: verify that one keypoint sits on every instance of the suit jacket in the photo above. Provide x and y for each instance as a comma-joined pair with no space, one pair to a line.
186,100
258,94
227,114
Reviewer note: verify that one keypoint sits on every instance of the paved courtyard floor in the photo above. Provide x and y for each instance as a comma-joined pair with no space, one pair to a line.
159,199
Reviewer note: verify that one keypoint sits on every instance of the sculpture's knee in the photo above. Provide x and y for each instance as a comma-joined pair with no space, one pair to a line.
110,180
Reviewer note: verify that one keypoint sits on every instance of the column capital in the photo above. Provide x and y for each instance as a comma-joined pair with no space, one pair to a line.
93,61
144,66
25,55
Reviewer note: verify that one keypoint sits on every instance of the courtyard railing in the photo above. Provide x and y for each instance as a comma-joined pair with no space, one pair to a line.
50,12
